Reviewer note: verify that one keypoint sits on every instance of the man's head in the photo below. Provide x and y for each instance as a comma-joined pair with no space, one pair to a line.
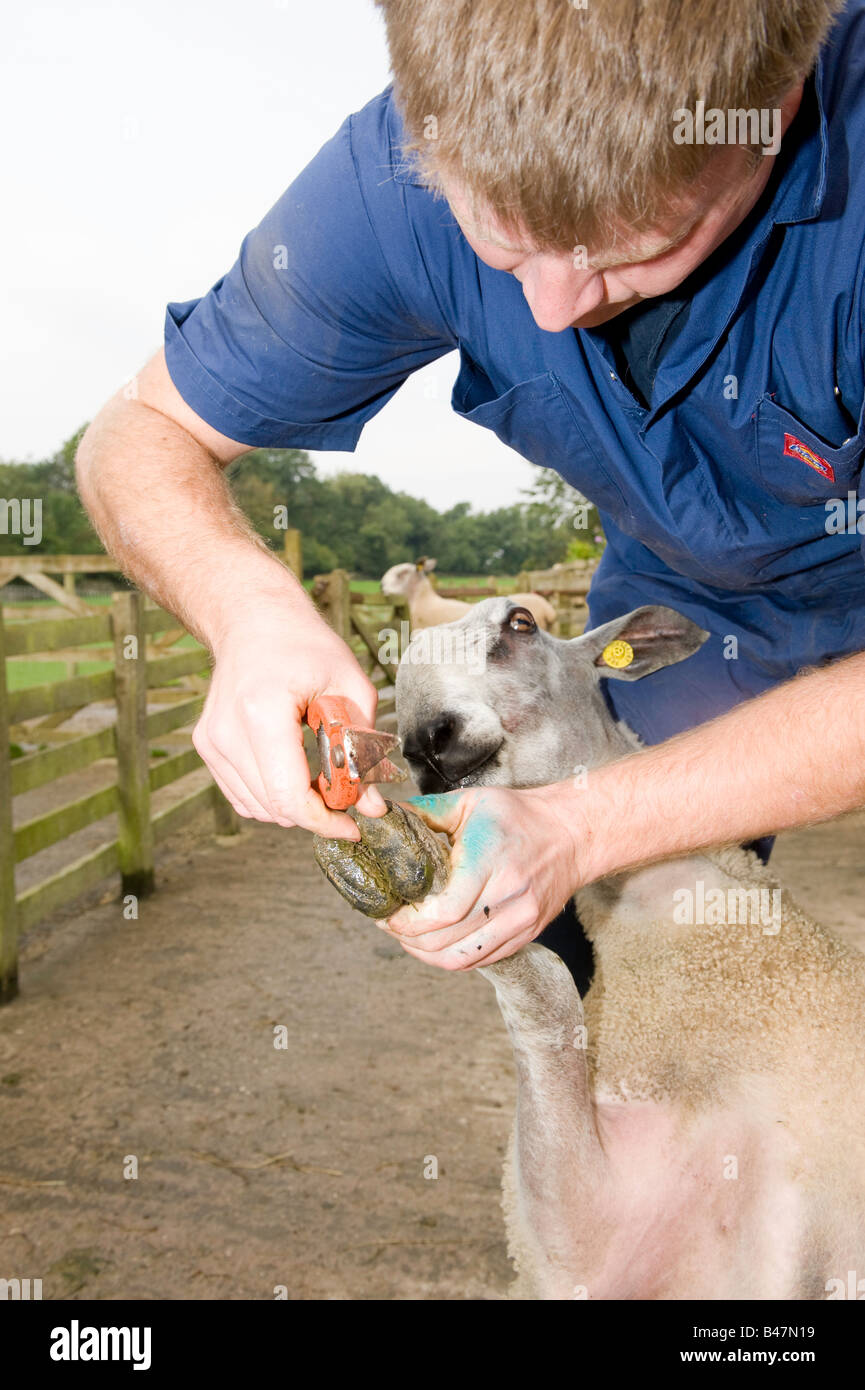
558,131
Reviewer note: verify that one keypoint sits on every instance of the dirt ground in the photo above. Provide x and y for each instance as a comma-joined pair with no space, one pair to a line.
302,1166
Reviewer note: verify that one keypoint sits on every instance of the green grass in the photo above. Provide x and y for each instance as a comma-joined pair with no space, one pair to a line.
442,581
23,673
45,602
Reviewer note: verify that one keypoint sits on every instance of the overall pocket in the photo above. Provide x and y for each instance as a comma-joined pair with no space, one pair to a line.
534,419
799,467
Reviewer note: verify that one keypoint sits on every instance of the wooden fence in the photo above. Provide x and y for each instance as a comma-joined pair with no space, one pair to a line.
365,621
135,641
34,713
39,569
566,586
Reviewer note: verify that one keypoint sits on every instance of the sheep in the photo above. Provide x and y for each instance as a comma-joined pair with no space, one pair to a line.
427,608
696,1128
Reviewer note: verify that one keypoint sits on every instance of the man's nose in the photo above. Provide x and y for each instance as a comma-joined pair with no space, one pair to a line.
558,293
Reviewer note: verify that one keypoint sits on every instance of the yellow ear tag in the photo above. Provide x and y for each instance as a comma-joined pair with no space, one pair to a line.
618,654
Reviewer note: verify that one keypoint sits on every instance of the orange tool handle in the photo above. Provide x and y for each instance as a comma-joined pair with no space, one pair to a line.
328,717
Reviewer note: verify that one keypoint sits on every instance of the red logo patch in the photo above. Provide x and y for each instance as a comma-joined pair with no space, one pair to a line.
794,448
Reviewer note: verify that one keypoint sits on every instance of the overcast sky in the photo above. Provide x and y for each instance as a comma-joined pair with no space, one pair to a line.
142,140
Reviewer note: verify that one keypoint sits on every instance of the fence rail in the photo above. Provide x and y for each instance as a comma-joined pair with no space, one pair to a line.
134,641
565,585
38,569
332,593
121,636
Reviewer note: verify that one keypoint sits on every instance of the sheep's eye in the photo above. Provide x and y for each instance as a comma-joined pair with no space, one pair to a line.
521,620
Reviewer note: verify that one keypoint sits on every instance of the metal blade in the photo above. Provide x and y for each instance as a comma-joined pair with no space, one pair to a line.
385,771
365,749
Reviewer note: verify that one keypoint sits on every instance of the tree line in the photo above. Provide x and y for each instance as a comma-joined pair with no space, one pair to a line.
350,521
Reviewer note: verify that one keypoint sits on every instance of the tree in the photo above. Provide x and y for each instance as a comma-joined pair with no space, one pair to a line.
567,508
65,526
352,520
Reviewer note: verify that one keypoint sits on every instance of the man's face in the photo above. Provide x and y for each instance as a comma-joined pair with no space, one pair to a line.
563,295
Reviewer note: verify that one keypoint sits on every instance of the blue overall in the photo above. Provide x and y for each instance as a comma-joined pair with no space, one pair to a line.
713,499
713,492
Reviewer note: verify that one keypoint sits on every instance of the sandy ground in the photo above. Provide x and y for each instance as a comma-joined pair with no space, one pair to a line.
303,1166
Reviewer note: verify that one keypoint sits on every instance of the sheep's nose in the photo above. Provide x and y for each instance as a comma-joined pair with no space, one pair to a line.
443,754
433,752
432,739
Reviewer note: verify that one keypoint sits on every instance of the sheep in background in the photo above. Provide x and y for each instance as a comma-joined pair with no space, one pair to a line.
428,609
698,1132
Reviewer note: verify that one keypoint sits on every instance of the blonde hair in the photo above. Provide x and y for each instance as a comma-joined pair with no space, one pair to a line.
559,119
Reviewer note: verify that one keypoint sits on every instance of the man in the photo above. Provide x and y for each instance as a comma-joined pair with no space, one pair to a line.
649,254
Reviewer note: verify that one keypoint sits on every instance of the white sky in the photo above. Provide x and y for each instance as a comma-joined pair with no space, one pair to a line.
142,140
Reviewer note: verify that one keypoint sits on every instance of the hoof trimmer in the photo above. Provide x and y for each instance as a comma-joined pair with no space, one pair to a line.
351,754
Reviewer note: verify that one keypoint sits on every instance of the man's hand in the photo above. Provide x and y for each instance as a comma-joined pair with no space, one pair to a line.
268,669
514,866
150,473
791,757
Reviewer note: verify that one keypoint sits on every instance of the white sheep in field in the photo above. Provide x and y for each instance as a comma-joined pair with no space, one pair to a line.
427,608
698,1130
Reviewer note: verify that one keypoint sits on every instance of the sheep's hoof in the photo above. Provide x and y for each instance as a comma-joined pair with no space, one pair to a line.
397,860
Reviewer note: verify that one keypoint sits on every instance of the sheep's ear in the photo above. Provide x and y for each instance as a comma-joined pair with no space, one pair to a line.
429,565
633,646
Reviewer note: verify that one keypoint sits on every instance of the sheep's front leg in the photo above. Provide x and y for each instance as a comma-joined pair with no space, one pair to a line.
557,1166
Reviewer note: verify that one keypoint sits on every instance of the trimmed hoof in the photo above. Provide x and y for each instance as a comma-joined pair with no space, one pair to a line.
397,860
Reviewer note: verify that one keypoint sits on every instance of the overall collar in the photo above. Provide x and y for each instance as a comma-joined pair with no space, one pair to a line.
795,194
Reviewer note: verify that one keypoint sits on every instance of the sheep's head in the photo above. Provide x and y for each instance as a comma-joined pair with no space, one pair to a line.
491,700
402,581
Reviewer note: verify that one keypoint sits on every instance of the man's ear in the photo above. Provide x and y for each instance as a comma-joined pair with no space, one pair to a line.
641,642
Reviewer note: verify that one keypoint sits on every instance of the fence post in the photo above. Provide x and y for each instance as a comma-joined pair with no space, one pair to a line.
69,587
226,821
292,552
402,622
135,832
334,599
8,906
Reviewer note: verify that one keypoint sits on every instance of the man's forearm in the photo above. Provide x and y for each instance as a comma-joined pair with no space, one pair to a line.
150,473
788,758
162,506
